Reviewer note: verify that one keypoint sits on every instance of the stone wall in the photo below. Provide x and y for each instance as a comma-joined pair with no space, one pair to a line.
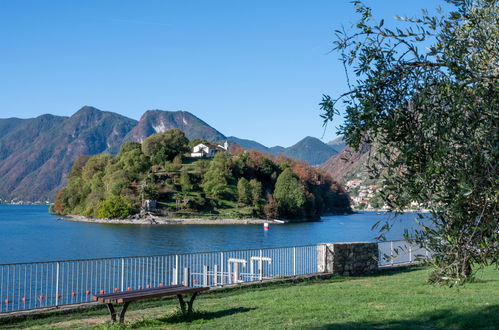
348,259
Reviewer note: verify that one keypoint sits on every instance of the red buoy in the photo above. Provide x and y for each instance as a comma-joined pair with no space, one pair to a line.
73,294
140,287
88,292
160,284
116,290
101,291
6,301
148,286
41,297
23,299
129,289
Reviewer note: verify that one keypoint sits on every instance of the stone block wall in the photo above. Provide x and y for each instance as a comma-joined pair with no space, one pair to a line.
348,259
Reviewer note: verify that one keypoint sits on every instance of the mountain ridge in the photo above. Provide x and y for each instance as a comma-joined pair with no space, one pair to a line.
37,153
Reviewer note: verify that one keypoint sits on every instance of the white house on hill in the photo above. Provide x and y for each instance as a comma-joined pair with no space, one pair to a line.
207,150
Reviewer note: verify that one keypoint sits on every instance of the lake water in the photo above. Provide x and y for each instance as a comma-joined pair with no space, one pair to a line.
30,233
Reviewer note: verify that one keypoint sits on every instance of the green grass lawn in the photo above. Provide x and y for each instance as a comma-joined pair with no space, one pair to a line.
393,299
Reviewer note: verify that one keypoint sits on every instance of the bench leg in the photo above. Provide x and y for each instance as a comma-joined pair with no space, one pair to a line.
121,314
189,303
123,311
182,303
112,312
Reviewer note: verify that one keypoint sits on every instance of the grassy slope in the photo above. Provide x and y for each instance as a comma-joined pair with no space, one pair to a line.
394,299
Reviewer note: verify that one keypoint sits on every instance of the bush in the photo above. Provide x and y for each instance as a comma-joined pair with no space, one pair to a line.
115,207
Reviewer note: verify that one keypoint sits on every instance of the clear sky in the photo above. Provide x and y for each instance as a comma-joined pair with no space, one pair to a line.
253,69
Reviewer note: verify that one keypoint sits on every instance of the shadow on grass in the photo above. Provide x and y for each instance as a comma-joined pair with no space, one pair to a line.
484,318
399,270
178,317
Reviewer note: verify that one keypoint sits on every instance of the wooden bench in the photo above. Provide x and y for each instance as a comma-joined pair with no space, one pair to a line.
127,297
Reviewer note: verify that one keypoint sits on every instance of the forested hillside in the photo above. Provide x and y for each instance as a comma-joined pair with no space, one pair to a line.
233,184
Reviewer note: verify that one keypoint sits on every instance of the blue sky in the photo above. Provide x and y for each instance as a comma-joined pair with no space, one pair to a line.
253,69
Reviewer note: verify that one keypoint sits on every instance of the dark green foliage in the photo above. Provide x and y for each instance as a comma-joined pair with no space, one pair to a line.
243,191
289,194
134,163
185,180
165,146
426,97
130,146
215,183
115,207
256,192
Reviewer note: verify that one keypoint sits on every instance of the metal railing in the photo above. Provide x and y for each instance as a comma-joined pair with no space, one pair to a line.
400,252
26,286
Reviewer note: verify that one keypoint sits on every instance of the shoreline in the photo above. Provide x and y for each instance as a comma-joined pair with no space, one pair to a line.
157,220
161,220
383,211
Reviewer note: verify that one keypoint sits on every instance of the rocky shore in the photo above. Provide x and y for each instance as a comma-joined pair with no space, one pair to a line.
157,220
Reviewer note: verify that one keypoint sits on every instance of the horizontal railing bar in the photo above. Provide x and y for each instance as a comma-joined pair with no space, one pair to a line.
160,255
185,253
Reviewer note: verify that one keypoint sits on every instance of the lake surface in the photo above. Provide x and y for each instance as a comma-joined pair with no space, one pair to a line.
29,233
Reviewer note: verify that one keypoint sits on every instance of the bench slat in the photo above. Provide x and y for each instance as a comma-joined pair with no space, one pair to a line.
112,294
122,297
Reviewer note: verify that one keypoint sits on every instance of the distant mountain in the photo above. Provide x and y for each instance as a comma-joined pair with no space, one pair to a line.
158,121
310,150
37,153
247,144
338,144
277,150
348,164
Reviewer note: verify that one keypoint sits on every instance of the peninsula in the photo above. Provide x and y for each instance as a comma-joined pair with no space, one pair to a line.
170,177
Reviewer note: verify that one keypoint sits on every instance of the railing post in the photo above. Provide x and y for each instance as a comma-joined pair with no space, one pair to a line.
57,285
186,276
294,261
222,268
175,273
205,275
410,253
391,252
215,275
260,266
122,274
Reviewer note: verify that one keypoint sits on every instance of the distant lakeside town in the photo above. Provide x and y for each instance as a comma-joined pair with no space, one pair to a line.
20,202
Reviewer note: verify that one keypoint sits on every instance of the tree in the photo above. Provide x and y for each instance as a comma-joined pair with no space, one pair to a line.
185,180
165,146
271,208
215,183
243,191
426,98
289,194
256,192
115,207
134,162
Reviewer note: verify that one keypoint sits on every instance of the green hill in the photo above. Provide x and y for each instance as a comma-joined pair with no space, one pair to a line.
245,184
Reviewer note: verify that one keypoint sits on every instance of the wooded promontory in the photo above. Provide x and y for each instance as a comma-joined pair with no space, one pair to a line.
232,183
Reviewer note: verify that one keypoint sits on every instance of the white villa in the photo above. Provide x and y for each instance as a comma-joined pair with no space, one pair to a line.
208,150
